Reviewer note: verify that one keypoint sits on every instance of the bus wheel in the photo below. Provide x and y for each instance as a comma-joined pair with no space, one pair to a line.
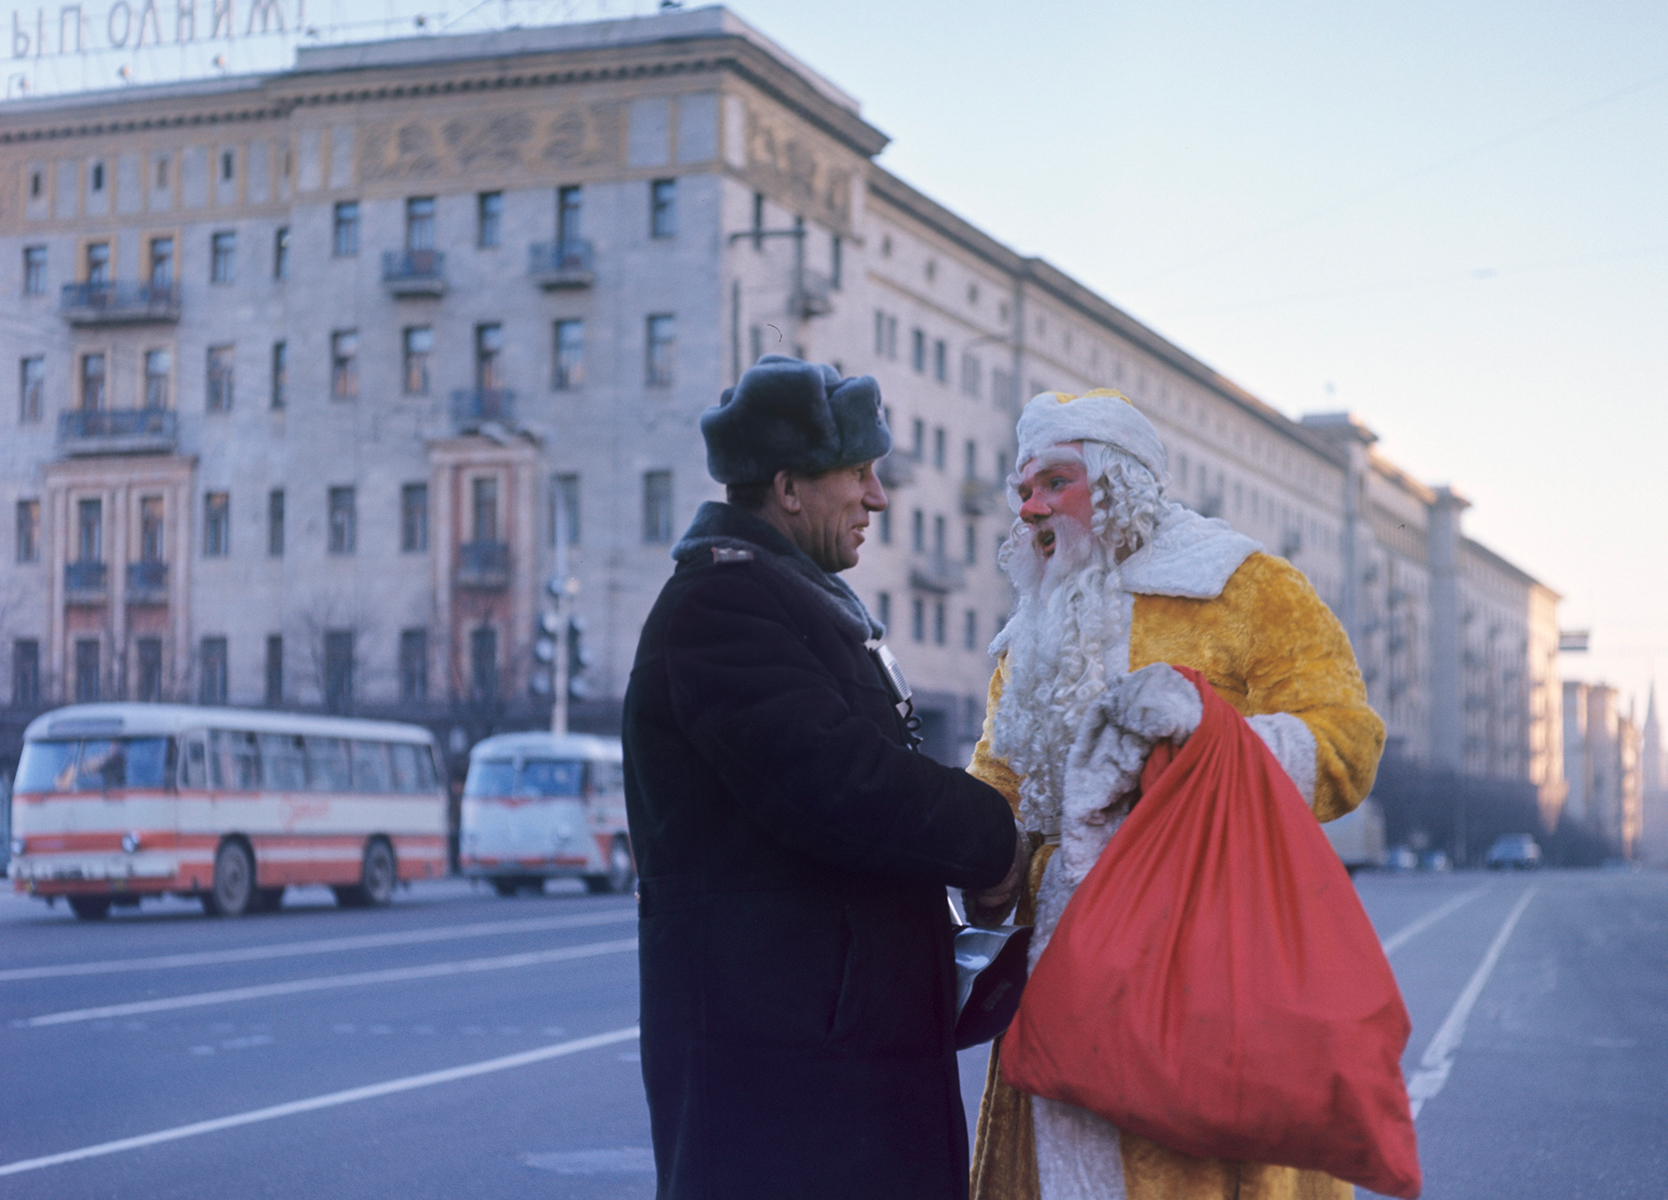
90,908
376,879
506,885
233,892
622,872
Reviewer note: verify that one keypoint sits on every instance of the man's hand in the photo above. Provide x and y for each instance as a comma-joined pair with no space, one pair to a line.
991,906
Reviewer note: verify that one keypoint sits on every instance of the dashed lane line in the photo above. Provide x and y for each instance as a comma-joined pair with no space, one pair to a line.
1406,934
321,983
331,1100
369,941
1438,1059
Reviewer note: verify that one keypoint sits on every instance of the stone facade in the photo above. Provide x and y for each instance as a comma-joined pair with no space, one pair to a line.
332,357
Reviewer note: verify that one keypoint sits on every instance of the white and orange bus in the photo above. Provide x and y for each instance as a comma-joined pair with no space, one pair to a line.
540,806
115,802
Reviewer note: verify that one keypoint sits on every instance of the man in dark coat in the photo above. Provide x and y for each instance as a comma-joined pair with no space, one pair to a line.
797,978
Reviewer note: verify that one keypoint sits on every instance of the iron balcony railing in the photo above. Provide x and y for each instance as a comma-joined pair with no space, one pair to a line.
147,581
85,580
119,303
937,574
118,430
414,272
483,565
474,407
561,264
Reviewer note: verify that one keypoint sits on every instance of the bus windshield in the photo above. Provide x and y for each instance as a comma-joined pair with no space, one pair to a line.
93,765
530,780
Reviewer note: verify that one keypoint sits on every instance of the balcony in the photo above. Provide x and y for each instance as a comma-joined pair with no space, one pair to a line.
483,565
814,296
84,431
937,574
86,582
563,264
119,303
414,273
474,407
980,499
147,582
896,470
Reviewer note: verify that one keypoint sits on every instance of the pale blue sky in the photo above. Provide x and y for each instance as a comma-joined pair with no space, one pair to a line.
1450,217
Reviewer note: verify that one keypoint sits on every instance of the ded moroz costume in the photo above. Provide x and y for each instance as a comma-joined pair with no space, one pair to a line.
796,971
1153,583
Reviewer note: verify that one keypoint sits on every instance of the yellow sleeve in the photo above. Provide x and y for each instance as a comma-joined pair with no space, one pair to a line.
986,767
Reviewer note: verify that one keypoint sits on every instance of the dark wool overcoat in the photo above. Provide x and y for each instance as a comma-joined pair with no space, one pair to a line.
795,952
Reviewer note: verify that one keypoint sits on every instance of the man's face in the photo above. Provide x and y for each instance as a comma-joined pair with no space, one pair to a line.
833,513
1054,487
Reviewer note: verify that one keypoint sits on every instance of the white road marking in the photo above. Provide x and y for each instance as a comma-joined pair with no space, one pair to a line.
331,1100
1438,1059
368,941
321,983
1404,935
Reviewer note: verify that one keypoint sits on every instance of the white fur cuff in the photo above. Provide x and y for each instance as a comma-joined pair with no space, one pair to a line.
1293,747
1158,702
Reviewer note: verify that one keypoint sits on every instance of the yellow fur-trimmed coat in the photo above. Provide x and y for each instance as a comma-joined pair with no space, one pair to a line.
1201,596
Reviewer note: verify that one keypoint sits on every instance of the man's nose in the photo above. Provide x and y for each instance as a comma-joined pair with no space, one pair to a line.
1033,509
874,496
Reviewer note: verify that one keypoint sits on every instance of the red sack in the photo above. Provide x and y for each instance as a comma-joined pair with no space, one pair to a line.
1215,986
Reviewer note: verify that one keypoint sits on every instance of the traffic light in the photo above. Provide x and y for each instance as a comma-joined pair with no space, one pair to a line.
545,629
580,657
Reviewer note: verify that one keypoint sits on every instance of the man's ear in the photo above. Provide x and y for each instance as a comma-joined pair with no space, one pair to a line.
786,487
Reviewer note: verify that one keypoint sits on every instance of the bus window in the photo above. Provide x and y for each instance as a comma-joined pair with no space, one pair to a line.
194,765
327,765
408,774
103,766
283,762
426,769
546,777
490,777
233,763
370,767
47,767
608,778
147,762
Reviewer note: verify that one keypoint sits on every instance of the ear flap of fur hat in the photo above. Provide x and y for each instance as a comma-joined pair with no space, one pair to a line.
789,415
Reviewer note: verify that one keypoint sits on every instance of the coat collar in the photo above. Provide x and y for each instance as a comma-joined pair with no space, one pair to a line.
1190,556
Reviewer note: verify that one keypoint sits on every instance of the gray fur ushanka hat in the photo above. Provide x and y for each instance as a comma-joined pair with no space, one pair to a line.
790,415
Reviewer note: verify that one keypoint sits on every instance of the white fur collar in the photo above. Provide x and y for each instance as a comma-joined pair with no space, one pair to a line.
1190,556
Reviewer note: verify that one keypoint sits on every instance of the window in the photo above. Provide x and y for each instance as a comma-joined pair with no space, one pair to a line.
219,395
918,349
483,663
274,670
211,671
98,177
226,164
918,531
419,343
938,449
414,663
98,263
489,357
150,670
217,524
884,613
26,672
918,619
345,243
344,364
758,220
483,495
886,526
836,266
223,257
162,262
971,376
150,529
162,171
32,393
414,517
28,531
159,368
940,361
86,670
970,630
338,670
657,506
281,253
419,223
663,208
662,343
970,460
970,545
569,206
280,374
275,523
34,270
343,521
938,623
90,530
570,356
938,530
92,382
489,219
564,502
918,439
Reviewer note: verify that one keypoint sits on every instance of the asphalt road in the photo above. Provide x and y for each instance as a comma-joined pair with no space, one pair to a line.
460,1045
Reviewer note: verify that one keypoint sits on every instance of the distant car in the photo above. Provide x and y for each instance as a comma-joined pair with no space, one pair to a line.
1400,858
1435,860
1516,851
